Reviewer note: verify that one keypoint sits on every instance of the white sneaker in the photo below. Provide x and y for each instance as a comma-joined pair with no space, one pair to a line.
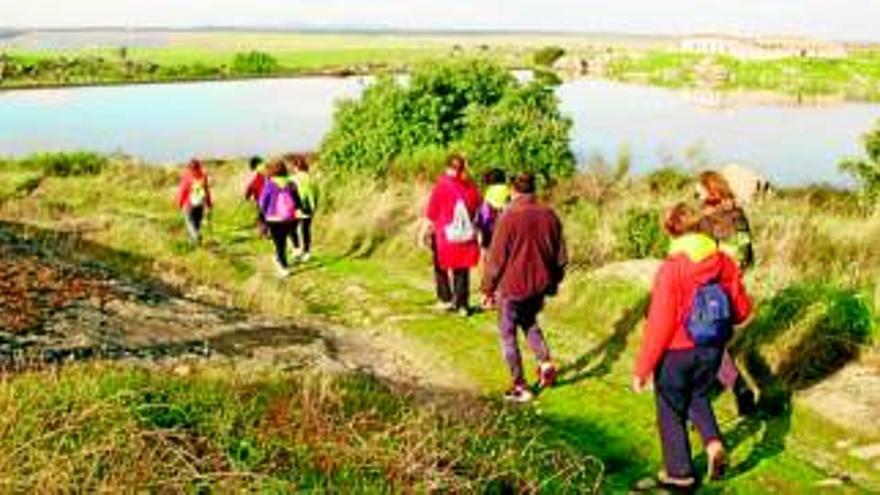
306,257
519,394
282,271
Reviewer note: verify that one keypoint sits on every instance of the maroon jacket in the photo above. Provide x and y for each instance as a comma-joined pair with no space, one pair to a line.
527,257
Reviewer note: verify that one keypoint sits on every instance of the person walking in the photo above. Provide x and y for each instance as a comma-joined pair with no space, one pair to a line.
279,203
194,198
254,190
495,199
697,299
726,222
302,231
449,221
525,264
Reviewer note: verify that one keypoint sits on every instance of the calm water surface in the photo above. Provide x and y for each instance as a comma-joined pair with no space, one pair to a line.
790,143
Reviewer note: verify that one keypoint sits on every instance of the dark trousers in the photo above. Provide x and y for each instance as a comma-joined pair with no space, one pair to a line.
683,382
280,231
458,292
303,226
194,216
522,314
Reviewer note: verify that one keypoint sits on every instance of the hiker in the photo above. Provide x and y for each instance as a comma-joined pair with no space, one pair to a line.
495,199
697,299
724,221
449,224
254,190
194,198
525,264
279,203
308,204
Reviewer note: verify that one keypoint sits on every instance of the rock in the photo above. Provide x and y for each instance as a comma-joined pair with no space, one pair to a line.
747,184
183,370
830,483
866,452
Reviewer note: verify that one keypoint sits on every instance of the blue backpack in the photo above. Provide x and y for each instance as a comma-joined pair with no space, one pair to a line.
710,322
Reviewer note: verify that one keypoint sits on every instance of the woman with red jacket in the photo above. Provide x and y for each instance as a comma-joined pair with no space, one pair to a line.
684,372
194,198
449,220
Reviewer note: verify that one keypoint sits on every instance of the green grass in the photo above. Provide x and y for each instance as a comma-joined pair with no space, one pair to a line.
367,277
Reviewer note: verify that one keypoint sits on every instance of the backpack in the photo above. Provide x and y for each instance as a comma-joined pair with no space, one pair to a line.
285,207
710,322
461,230
197,194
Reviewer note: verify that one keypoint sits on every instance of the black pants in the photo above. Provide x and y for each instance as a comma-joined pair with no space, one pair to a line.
304,226
280,231
194,216
458,292
682,385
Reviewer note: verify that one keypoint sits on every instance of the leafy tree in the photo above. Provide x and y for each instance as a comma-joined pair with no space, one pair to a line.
866,170
467,104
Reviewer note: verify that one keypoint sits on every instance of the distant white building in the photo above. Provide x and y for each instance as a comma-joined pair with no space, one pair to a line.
766,48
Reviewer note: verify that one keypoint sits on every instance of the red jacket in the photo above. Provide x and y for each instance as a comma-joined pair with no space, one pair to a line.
448,192
254,189
693,261
189,182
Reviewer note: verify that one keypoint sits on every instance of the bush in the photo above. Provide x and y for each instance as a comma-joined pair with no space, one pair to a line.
866,170
79,163
254,62
640,235
547,56
668,180
470,103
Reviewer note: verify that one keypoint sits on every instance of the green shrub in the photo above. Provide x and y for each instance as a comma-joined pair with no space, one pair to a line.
254,62
640,235
866,170
64,164
547,56
668,180
471,104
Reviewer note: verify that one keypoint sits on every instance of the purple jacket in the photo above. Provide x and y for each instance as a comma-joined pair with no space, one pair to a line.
269,198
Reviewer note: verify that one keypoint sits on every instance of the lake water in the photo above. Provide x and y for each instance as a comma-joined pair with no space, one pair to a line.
791,142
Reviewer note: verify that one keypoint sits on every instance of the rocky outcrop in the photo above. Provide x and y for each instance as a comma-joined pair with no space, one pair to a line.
747,184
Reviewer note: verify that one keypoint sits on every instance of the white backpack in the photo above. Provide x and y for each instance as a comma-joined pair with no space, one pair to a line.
461,230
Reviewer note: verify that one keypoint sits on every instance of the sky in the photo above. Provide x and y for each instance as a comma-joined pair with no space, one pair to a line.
836,19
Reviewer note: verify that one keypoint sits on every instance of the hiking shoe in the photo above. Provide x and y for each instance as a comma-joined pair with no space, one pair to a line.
444,306
675,483
547,374
464,311
519,394
717,462
283,271
306,257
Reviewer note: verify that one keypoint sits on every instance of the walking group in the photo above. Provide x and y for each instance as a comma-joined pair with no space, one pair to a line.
283,193
697,301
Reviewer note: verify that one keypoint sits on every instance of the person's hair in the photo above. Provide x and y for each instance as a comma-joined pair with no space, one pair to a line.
456,162
255,162
277,168
717,189
297,161
494,176
524,183
195,164
681,219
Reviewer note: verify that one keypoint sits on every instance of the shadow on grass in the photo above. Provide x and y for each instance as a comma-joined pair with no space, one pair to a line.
609,350
798,338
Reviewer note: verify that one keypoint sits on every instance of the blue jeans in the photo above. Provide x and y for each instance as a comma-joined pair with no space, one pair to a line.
682,383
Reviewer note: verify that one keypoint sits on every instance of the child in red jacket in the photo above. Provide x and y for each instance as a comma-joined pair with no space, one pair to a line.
683,372
194,198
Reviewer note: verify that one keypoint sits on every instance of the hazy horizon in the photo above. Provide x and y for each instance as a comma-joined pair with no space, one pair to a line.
847,20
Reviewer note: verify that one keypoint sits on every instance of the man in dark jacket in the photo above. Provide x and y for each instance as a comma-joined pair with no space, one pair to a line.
525,264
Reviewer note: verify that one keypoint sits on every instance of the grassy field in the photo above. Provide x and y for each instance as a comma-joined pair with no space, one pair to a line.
368,278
